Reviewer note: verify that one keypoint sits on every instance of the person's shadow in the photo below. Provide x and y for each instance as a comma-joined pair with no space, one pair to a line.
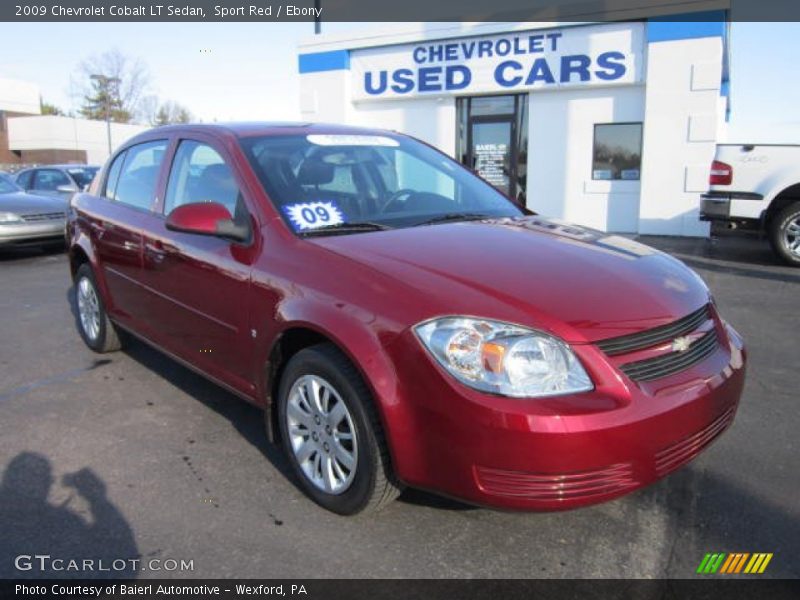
32,528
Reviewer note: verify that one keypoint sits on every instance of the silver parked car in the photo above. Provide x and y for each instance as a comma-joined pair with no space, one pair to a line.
26,219
56,180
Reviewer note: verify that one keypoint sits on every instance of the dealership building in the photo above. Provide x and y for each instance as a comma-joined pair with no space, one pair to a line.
29,137
609,125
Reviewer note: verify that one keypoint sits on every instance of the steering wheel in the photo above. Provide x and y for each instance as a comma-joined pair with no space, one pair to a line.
405,192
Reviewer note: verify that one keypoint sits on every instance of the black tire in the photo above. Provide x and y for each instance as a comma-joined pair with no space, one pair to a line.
106,338
778,230
373,484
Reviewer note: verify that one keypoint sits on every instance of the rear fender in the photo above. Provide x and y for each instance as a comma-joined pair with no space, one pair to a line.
80,243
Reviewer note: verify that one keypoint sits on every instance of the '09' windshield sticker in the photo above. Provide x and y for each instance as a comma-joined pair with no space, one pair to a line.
311,215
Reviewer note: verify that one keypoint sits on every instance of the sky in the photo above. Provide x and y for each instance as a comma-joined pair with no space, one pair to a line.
248,71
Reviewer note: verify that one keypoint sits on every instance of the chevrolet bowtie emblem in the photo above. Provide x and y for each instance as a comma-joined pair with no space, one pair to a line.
681,344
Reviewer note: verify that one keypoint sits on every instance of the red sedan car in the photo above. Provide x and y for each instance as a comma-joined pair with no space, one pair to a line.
401,321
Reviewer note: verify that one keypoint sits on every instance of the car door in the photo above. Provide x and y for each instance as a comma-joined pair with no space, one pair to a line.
116,221
53,182
199,284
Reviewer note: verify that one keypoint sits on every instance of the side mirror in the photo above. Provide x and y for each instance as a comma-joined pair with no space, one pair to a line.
207,218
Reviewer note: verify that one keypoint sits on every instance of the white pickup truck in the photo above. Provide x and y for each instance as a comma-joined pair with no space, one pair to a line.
757,186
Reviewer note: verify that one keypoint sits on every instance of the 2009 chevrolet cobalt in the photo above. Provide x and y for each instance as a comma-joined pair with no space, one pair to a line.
401,321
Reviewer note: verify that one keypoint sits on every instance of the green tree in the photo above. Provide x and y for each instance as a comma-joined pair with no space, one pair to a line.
112,84
49,109
104,101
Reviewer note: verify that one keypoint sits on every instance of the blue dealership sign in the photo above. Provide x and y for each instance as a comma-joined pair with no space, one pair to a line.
595,55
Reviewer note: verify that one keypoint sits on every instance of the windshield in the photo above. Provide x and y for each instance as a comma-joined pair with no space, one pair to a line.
7,186
83,175
340,182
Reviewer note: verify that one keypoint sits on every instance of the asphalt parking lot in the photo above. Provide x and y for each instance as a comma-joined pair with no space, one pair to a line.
130,454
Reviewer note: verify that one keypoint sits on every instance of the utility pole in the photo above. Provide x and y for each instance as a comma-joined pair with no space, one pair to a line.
105,83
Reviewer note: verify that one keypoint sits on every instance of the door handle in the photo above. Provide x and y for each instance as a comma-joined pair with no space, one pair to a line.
156,250
130,245
98,228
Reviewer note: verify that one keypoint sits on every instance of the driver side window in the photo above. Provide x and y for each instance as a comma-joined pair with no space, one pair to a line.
199,174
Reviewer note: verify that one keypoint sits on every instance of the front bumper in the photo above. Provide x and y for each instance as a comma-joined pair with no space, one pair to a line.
32,233
558,453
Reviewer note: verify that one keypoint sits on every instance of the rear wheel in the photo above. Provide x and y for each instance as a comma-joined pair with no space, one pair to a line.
784,234
96,329
331,433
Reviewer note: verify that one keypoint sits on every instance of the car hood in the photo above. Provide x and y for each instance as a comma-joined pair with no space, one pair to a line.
577,283
24,203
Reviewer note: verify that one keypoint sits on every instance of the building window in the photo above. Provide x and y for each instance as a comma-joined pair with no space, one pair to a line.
617,151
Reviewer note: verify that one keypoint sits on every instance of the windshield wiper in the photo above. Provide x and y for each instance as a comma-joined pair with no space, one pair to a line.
343,228
458,216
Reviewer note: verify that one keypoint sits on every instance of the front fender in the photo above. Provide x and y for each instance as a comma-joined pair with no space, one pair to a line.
363,339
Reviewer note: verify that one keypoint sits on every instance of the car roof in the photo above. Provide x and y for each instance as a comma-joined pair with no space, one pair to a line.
255,128
67,166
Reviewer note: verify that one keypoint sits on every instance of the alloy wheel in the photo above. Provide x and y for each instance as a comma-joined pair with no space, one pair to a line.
88,308
791,236
322,434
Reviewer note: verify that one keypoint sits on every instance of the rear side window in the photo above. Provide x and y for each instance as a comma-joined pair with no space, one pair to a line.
136,185
113,176
199,174
24,179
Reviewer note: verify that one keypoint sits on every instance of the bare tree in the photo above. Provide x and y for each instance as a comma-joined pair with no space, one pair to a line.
171,112
115,83
148,109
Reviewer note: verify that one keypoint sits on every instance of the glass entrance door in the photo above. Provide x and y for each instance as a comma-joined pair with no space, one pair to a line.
493,140
491,147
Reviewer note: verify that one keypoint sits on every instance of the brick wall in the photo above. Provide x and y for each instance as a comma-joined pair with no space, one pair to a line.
6,155
53,156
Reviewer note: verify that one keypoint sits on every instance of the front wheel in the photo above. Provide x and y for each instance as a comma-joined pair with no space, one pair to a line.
96,329
331,433
784,234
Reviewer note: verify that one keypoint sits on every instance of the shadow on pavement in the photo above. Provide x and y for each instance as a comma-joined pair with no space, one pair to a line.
12,253
247,419
422,498
31,525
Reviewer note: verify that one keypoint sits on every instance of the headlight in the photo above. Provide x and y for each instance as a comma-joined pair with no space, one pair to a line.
502,358
7,218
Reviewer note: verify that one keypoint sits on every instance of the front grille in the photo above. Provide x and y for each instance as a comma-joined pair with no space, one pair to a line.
538,486
655,336
678,454
674,362
52,216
